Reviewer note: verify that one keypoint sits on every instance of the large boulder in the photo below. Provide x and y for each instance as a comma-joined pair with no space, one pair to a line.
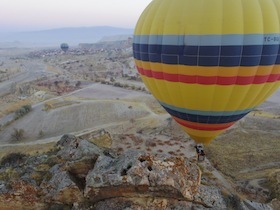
210,196
61,188
136,174
73,148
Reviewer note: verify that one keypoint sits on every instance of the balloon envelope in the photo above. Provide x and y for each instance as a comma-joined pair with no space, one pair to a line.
64,47
209,62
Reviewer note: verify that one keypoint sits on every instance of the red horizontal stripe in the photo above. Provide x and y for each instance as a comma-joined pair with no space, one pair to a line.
210,80
202,126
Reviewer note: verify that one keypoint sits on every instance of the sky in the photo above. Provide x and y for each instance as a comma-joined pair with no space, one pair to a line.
26,15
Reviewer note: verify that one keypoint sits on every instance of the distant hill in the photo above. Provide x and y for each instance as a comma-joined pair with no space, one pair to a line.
115,38
54,37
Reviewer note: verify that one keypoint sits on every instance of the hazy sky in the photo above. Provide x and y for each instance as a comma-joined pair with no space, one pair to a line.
22,15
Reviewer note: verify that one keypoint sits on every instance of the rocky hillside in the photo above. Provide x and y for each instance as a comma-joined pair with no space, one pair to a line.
77,174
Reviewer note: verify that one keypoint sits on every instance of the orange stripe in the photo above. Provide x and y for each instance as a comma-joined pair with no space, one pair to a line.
219,71
210,80
203,126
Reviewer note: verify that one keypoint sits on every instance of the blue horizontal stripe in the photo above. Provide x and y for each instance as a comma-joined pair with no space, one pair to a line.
252,55
205,113
209,40
203,118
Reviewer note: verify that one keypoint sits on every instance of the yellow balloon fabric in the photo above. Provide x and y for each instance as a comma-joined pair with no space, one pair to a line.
209,62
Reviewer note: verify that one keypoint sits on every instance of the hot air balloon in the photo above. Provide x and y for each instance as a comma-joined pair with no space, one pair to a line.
64,47
209,62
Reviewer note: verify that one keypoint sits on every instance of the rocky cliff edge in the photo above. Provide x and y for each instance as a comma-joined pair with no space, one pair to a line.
77,174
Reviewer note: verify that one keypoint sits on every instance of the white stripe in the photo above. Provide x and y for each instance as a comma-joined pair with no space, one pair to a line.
209,40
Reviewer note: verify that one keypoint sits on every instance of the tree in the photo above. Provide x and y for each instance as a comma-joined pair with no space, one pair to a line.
112,79
41,133
78,84
18,134
22,111
56,83
12,159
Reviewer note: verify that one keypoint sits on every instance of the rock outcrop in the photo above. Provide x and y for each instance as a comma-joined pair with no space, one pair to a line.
137,174
78,175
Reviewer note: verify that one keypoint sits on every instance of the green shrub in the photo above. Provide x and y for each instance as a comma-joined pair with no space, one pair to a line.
233,202
41,133
274,184
12,159
17,135
22,111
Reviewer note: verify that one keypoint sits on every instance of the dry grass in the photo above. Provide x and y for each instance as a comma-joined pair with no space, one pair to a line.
151,103
16,105
54,69
247,152
54,104
234,155
247,157
274,183
264,114
27,149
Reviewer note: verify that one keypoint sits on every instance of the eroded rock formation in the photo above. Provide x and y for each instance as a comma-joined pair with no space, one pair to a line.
77,174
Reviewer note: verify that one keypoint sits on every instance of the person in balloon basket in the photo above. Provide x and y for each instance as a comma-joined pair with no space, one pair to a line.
200,152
